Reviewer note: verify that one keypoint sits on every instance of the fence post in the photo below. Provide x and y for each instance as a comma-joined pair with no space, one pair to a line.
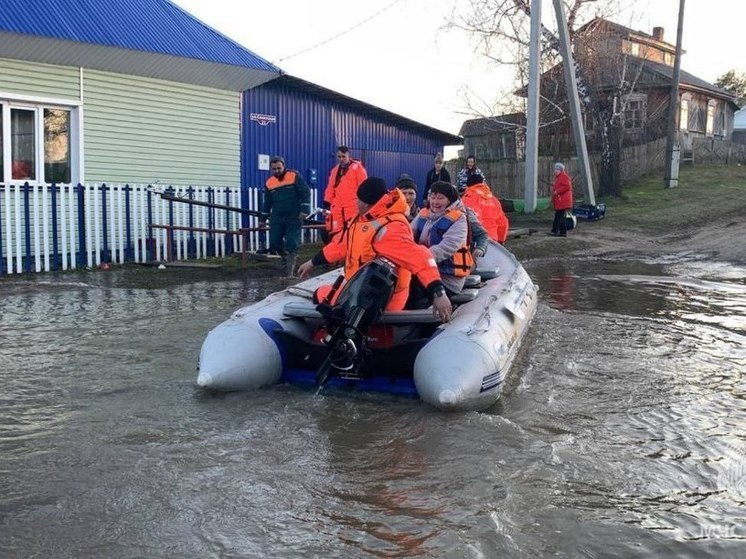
56,263
27,226
150,241
228,236
81,255
129,249
105,255
2,268
245,205
191,241
211,222
170,254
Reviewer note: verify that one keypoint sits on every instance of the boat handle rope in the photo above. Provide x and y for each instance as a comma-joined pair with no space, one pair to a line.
485,315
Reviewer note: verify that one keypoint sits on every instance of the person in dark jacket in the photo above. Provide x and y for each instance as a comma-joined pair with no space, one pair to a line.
561,200
437,173
409,188
287,201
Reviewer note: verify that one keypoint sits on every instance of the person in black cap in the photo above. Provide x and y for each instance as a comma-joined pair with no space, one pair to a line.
443,228
409,188
381,229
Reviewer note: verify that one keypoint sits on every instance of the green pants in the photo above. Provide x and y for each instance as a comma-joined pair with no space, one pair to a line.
284,233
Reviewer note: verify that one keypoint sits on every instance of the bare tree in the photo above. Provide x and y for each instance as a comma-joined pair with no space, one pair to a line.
604,75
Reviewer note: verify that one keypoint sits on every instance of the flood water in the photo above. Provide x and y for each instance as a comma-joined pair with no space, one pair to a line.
621,431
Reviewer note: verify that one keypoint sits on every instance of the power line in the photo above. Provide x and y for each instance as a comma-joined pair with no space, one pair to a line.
341,33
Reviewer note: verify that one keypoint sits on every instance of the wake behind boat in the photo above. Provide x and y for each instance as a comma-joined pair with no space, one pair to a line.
460,365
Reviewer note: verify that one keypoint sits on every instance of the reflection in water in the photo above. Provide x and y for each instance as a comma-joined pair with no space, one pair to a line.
620,432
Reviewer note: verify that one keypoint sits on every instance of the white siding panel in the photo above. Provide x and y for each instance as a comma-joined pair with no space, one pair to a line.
39,80
143,130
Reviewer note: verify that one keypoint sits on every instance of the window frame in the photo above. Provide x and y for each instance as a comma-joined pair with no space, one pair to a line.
710,118
684,103
641,98
11,101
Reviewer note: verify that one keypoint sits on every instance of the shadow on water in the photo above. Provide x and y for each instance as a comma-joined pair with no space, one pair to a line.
620,432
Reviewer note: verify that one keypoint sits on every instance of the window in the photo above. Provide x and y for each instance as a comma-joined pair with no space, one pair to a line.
635,113
39,144
56,145
684,115
710,126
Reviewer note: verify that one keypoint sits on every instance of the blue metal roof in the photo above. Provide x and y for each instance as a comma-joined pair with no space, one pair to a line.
144,27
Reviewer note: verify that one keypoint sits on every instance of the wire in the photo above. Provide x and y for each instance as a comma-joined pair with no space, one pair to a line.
342,33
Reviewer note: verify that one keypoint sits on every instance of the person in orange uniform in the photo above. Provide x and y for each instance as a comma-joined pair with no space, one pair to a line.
287,203
381,229
340,196
478,196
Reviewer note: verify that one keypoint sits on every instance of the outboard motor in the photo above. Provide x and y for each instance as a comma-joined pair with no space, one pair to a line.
360,303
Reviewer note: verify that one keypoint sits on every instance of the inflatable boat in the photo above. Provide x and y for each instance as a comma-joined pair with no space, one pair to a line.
460,365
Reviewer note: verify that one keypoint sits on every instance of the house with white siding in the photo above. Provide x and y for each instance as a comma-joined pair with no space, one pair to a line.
132,90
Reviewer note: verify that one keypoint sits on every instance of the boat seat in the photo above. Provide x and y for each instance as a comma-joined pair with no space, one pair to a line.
473,281
465,296
488,274
420,316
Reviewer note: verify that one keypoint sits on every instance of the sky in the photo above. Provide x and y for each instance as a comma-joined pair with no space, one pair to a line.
397,54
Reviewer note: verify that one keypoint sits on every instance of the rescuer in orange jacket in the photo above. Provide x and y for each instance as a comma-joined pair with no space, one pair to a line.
381,229
340,196
478,196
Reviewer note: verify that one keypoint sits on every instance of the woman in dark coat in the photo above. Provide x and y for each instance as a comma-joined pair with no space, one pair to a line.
437,173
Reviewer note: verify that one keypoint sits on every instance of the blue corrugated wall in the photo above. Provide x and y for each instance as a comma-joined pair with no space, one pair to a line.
306,130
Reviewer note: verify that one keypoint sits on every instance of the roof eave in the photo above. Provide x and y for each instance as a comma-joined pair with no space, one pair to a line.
132,62
447,138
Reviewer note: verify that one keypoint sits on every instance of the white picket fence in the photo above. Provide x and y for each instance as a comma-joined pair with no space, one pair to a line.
61,227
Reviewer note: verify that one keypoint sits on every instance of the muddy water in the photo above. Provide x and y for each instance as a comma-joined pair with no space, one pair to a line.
621,432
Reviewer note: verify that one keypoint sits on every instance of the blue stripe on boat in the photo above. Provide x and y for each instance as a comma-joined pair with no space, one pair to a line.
491,381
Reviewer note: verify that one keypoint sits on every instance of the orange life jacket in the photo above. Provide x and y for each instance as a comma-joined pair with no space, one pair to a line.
489,211
384,231
341,193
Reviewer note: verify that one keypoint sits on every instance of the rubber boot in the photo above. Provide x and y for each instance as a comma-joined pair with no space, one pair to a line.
290,264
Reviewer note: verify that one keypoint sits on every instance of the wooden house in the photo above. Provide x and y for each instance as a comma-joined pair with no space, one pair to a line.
630,73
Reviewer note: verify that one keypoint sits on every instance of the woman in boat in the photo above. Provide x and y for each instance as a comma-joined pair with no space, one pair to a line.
443,228
381,229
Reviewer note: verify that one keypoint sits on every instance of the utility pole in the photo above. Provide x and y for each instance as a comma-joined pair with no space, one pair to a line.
571,85
532,111
673,150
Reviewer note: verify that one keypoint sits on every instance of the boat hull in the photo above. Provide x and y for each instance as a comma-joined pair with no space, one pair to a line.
456,366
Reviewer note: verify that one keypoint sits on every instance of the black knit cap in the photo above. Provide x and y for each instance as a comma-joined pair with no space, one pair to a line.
405,182
474,179
371,190
446,189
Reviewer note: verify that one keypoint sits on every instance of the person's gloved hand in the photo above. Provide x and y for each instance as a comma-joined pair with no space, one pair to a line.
478,253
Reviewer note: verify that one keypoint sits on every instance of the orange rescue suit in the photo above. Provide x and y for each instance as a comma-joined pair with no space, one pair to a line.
341,194
480,200
384,231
